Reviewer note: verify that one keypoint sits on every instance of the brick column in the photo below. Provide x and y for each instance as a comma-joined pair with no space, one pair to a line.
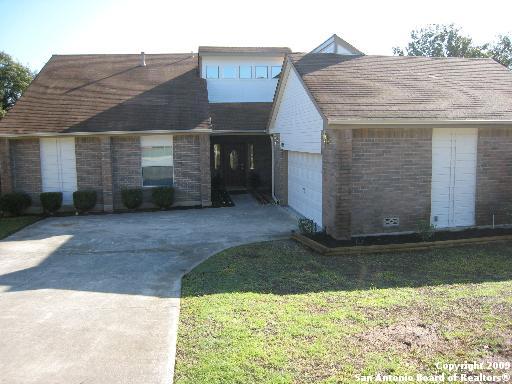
204,149
280,171
5,167
337,183
106,173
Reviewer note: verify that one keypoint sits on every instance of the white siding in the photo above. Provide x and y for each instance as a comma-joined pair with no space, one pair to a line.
58,167
454,154
305,185
240,90
296,118
332,45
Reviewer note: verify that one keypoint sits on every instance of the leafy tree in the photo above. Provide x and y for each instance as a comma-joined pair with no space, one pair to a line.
14,79
448,41
501,51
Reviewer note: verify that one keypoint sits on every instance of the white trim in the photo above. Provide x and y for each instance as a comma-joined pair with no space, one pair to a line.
239,132
106,133
335,39
414,122
283,80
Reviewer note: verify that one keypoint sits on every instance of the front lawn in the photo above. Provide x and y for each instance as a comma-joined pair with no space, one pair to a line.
277,313
9,225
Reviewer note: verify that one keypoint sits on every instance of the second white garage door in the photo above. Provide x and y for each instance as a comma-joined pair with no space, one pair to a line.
305,184
453,177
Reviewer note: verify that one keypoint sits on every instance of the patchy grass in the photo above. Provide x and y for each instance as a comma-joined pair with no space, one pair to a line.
276,313
9,225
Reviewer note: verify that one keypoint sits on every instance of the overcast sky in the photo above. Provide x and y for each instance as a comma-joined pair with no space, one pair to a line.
33,30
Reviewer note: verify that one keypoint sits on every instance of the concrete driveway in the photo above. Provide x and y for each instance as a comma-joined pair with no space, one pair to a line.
95,299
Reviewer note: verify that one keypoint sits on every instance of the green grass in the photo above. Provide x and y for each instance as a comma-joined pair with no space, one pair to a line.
277,313
9,225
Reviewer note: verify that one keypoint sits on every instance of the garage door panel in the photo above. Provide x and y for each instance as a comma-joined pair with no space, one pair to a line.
305,184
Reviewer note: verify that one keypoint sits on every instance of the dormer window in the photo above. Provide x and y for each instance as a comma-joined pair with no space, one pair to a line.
245,72
229,72
212,71
275,71
261,72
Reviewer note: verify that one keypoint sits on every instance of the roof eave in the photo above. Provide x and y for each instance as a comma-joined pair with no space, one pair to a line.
106,133
422,122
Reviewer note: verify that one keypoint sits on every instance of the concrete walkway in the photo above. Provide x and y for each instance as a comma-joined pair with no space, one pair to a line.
95,299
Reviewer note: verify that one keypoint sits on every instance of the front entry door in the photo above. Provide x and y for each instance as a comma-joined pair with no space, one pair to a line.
234,157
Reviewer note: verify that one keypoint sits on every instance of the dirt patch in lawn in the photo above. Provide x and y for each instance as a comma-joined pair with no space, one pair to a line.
404,335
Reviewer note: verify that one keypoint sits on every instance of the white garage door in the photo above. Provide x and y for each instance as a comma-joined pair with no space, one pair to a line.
305,184
453,177
58,167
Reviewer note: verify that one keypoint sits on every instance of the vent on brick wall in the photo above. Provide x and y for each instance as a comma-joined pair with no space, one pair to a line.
391,221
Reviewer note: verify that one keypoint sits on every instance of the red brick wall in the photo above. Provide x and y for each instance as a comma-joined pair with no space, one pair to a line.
206,181
88,165
126,166
391,176
187,169
494,176
5,166
26,167
336,183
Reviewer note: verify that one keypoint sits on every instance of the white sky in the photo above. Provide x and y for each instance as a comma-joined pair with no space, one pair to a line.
33,30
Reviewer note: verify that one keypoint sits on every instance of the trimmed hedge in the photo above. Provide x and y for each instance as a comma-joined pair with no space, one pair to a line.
132,198
51,201
162,197
84,201
15,203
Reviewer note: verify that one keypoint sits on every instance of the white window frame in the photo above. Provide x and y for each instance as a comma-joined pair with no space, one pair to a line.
212,66
250,70
156,141
234,67
256,69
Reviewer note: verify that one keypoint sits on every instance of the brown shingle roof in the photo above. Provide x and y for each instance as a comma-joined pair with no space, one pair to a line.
424,88
240,116
258,50
99,93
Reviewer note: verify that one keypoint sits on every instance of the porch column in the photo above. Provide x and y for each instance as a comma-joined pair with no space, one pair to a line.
106,173
337,182
5,166
204,149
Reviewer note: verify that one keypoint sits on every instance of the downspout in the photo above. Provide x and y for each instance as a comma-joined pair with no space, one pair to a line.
272,148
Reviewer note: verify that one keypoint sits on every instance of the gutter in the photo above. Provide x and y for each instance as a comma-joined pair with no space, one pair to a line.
106,133
395,122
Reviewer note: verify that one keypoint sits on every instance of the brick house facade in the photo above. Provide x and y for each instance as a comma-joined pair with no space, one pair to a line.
108,164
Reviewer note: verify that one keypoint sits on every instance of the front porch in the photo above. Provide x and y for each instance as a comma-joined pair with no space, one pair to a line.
241,162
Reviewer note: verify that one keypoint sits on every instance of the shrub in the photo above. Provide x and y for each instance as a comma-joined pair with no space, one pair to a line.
426,230
51,201
84,201
307,226
162,197
254,180
15,203
132,198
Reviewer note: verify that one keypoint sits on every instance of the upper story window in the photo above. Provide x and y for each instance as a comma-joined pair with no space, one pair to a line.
157,161
261,72
245,72
212,71
229,72
275,71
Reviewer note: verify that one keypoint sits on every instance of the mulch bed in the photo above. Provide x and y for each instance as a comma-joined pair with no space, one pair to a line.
328,241
221,198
